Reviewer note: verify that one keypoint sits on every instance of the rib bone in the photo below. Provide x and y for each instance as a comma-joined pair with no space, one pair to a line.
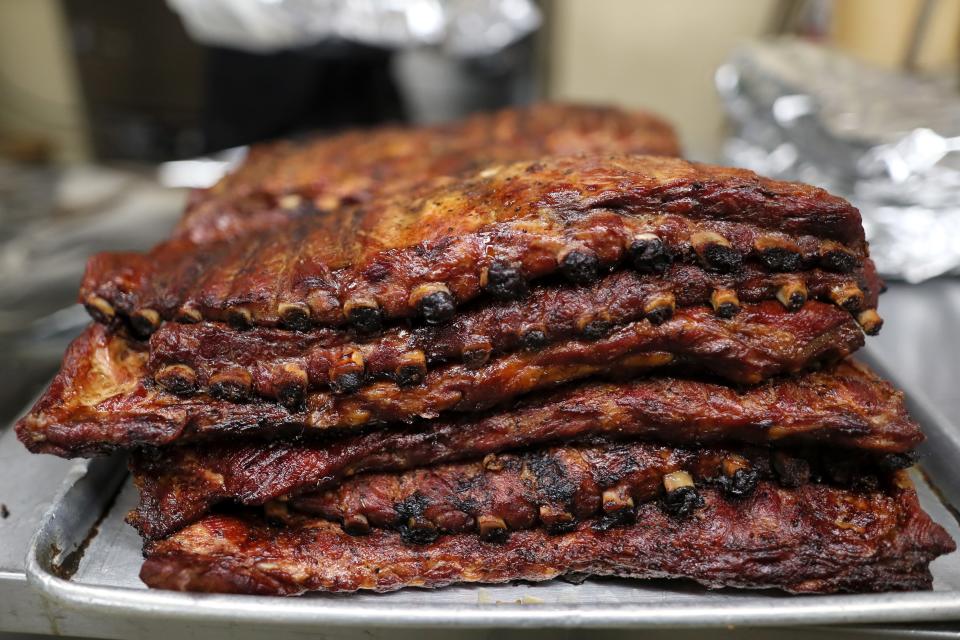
725,303
792,294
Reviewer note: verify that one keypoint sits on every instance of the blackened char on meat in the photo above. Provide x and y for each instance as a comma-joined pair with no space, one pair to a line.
554,487
277,358
576,215
811,539
104,398
845,405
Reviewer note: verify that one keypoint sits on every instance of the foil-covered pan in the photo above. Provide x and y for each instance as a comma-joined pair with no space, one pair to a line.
464,28
887,141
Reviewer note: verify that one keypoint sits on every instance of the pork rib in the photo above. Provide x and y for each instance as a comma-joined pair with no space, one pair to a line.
431,249
811,539
846,406
281,181
103,398
559,486
284,365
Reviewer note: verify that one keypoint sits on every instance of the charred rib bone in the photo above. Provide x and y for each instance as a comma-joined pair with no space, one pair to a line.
725,303
648,254
792,294
682,497
715,252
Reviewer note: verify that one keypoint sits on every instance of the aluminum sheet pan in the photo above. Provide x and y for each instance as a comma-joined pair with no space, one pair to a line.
85,558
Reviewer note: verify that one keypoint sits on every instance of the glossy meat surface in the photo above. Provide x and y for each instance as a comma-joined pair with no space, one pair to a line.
360,363
284,363
280,181
104,398
559,486
811,539
492,232
846,406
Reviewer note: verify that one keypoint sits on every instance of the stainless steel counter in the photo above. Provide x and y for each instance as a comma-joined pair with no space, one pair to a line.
921,338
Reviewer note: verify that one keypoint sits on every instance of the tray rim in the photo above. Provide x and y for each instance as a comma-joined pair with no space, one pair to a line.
802,610
798,610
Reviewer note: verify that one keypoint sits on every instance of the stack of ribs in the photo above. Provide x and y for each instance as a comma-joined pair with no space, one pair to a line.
526,345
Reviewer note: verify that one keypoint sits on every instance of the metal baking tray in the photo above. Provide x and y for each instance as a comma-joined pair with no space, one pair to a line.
85,558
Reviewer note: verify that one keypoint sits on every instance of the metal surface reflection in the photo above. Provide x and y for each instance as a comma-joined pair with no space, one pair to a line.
886,141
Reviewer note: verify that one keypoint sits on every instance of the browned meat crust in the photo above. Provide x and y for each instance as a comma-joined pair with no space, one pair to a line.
103,398
184,358
283,180
560,486
811,539
845,406
521,277
427,251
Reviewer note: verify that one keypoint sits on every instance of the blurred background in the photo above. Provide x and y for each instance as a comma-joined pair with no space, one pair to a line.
94,80
110,111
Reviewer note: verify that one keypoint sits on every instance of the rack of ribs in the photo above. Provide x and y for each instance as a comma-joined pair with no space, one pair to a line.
104,398
413,357
560,486
845,406
285,365
595,321
425,254
815,538
282,181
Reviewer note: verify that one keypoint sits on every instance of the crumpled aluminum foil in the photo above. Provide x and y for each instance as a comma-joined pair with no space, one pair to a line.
886,141
465,28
